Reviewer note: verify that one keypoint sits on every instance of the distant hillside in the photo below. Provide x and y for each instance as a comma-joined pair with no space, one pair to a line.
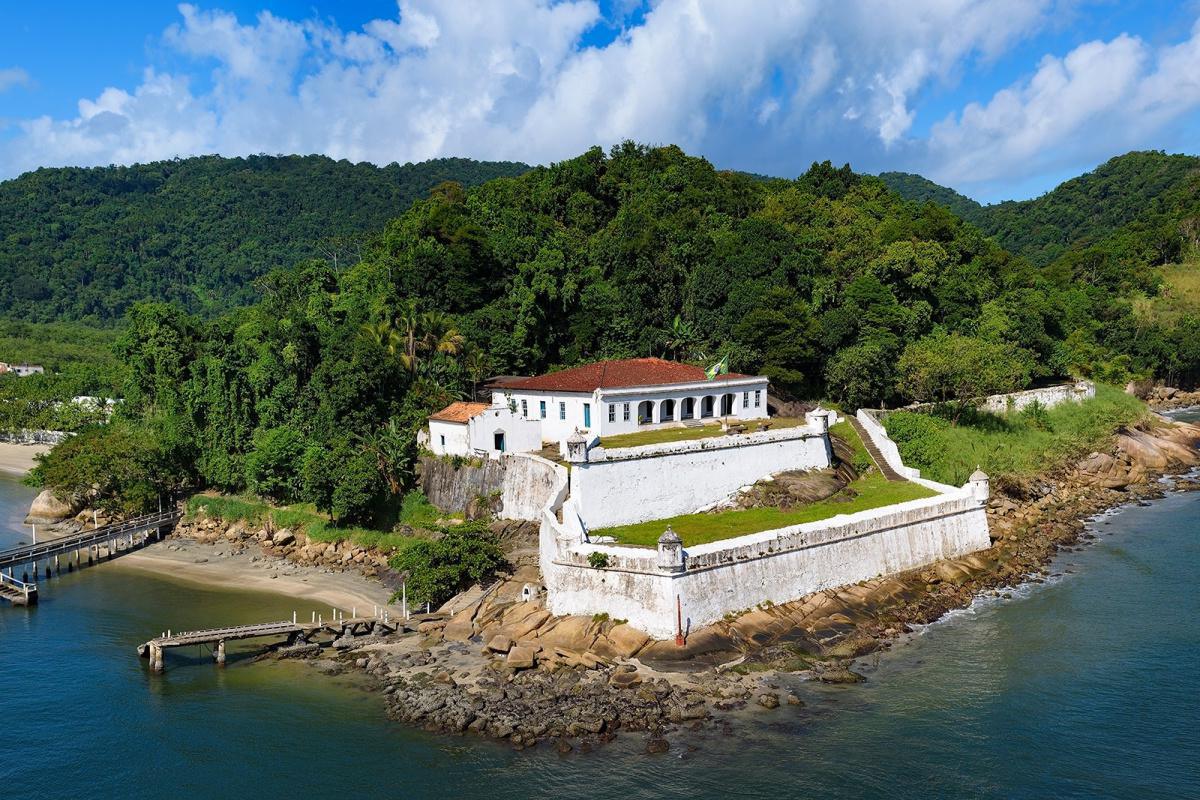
923,190
1142,208
1139,205
84,244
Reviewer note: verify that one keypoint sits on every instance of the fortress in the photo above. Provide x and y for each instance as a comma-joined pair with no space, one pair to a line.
583,479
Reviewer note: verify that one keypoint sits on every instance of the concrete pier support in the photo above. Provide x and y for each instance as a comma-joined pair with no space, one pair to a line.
156,658
219,653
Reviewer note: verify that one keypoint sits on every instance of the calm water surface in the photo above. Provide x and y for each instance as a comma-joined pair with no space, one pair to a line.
1084,687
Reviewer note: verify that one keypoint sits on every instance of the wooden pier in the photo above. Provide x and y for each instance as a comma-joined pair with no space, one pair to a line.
99,544
297,633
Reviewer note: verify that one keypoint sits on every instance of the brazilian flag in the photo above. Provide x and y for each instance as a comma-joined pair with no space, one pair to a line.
719,368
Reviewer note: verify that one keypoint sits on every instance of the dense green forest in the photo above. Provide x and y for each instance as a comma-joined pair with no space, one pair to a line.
920,189
831,284
85,244
1136,210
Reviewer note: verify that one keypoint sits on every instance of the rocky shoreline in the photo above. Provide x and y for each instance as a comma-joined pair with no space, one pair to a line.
506,669
497,664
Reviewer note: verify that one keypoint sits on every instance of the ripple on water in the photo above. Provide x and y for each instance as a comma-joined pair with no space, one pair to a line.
1081,686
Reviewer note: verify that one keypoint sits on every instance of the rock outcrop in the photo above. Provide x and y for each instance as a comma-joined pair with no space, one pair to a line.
48,509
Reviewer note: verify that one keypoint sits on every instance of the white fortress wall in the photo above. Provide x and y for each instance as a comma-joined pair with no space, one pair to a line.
773,566
1048,396
530,484
634,484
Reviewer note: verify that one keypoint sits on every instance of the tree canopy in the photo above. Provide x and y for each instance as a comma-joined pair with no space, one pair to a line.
86,243
831,284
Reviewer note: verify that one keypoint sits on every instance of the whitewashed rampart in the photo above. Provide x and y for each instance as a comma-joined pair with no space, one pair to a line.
643,585
774,566
530,484
620,486
1047,396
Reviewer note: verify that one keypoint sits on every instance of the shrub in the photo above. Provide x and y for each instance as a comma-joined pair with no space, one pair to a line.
416,511
917,436
273,466
439,569
598,560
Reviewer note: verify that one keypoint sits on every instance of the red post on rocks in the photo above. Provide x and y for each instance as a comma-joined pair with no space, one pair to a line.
678,622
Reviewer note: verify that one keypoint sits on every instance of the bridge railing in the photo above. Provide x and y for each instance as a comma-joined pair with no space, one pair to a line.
84,538
21,586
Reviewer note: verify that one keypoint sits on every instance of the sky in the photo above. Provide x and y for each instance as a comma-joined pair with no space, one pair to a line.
1000,99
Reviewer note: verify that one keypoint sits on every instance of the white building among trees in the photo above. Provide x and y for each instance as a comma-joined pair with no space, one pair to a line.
603,398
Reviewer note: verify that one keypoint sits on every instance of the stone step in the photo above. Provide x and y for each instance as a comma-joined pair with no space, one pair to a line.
884,468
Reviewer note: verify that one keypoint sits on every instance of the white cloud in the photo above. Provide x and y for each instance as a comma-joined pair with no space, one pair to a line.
11,77
764,86
1100,99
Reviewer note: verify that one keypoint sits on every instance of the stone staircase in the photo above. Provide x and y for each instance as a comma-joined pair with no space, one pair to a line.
884,468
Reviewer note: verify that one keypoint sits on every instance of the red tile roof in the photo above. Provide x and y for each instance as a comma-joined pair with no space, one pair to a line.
459,412
620,374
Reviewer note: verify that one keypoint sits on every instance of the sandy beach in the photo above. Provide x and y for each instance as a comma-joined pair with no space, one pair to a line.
17,459
215,565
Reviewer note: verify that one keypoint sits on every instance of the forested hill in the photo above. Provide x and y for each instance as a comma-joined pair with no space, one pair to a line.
86,243
923,190
1137,209
830,284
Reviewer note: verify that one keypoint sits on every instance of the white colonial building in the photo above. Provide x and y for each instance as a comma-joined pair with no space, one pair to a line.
477,429
599,399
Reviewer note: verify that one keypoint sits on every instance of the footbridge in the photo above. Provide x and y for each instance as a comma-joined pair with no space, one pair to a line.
298,634
25,563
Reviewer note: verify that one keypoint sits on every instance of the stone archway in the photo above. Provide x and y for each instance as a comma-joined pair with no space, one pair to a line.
706,406
645,411
726,405
666,411
687,408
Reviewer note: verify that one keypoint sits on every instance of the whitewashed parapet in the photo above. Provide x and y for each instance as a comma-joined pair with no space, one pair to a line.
1046,396
529,485
776,566
718,442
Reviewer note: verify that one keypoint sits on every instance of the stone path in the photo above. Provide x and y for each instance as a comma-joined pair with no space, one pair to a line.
885,469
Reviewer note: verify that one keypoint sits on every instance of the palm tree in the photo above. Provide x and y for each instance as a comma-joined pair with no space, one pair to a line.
681,337
390,447
384,335
477,364
439,334
408,323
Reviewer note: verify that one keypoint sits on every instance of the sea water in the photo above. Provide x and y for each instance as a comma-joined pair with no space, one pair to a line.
1085,686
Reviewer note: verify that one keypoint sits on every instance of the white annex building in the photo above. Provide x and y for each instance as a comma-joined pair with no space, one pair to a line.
599,399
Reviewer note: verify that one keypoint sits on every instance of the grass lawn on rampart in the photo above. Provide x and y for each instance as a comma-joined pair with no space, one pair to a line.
873,490
664,435
302,517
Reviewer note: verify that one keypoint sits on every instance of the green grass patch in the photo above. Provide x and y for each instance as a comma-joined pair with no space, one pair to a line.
299,517
1178,296
1017,444
873,491
862,460
665,435
417,512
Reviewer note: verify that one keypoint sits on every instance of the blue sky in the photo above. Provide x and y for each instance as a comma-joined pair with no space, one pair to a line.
998,99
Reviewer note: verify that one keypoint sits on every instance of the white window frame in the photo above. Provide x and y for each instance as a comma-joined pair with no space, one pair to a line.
562,410
625,413
525,408
542,408
612,412
757,398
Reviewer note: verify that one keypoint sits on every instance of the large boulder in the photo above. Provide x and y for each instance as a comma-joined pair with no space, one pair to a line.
47,509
